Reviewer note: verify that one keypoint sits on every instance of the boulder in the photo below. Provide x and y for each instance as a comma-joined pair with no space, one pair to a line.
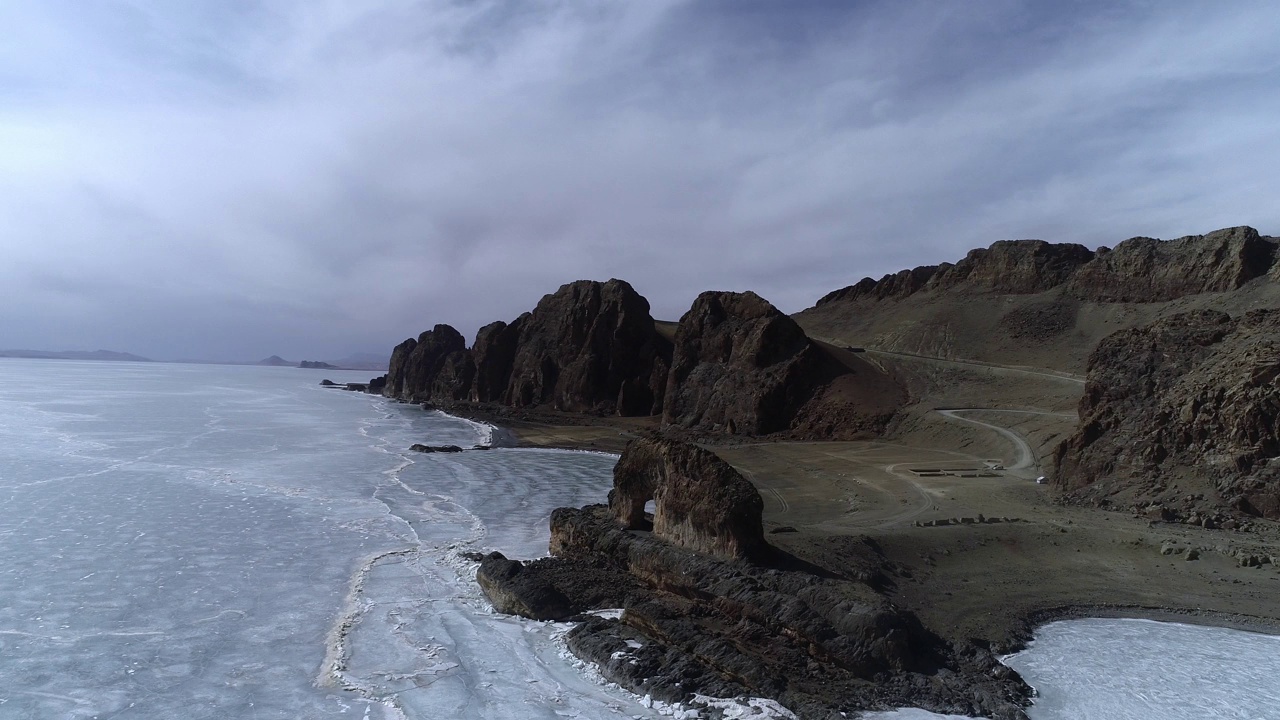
513,591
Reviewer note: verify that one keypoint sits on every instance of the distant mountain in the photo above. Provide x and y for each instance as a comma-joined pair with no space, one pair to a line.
276,361
106,355
316,365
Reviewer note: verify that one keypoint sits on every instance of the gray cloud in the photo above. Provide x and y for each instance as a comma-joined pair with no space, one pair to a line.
234,179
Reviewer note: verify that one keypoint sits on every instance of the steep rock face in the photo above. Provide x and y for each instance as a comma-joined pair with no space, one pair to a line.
1149,270
700,501
493,352
394,385
435,367
590,347
1014,267
1190,402
741,366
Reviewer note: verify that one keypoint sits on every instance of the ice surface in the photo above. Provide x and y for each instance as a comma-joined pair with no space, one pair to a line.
1101,669
214,542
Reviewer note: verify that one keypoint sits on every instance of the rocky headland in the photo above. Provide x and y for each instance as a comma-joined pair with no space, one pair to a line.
710,608
781,520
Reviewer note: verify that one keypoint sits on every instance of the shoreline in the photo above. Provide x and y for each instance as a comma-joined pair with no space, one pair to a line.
1006,625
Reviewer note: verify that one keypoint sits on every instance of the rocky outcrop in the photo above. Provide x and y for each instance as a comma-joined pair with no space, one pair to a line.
1149,270
437,367
741,366
700,501
590,347
700,623
1016,267
897,285
1187,407
1008,266
493,352
512,590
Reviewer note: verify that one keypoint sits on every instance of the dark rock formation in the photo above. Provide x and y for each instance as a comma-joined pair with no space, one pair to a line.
1148,270
513,591
1188,406
589,347
419,447
1137,270
1014,267
701,502
437,367
897,285
315,365
1009,266
494,351
741,366
700,623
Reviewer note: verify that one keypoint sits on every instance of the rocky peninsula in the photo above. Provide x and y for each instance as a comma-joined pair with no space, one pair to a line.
861,506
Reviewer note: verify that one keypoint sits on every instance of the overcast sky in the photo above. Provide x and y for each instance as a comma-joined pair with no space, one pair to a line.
232,179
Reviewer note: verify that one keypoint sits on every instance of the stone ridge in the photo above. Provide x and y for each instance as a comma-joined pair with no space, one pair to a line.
700,502
1148,270
588,347
1137,270
1182,413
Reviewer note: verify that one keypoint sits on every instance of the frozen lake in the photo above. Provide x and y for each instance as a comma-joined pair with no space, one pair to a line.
184,541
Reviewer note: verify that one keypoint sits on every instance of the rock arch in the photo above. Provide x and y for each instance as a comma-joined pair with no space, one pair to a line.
700,501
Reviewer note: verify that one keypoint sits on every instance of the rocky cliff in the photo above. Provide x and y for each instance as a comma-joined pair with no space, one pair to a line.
1149,270
588,347
434,368
1183,414
741,366
703,623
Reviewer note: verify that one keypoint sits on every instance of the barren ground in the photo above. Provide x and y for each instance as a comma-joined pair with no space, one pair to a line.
973,446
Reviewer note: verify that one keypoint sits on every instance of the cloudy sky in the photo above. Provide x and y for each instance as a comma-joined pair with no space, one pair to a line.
233,178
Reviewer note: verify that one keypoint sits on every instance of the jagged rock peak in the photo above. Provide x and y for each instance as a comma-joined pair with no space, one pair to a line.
590,347
700,501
